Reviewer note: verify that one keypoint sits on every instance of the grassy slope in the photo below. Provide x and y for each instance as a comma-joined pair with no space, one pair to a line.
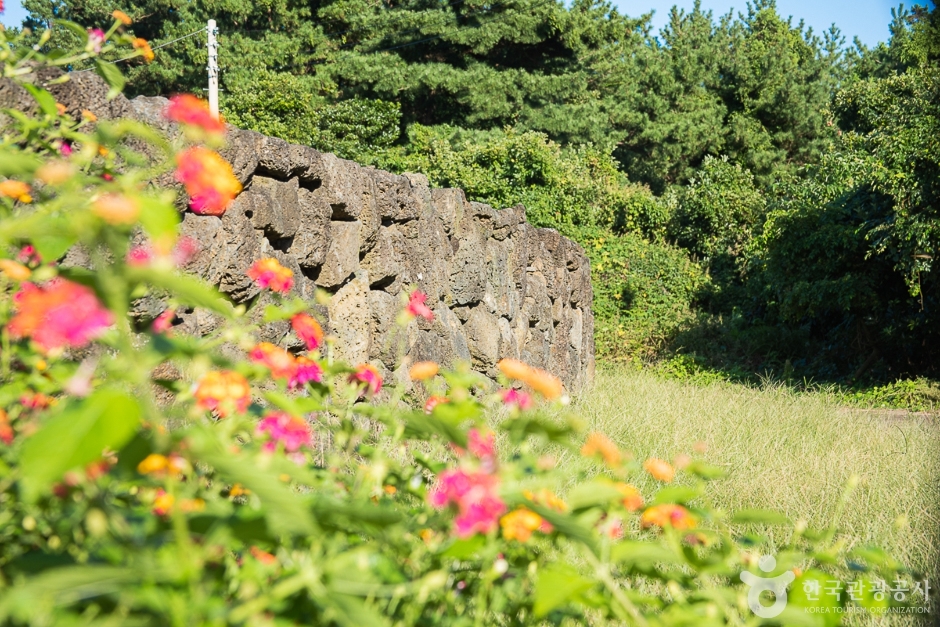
788,452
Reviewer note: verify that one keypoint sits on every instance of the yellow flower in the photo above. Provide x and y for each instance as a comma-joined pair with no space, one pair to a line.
660,469
667,514
145,49
18,190
15,270
632,499
153,464
519,524
423,370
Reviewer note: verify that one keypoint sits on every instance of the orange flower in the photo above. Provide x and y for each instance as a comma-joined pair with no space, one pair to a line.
519,524
223,391
632,499
116,209
88,115
547,498
60,314
55,172
6,430
514,369
308,330
600,444
545,383
188,109
163,503
423,370
667,514
269,274
60,108
660,469
368,376
262,556
208,179
153,464
17,190
14,270
121,17
434,401
145,50
281,363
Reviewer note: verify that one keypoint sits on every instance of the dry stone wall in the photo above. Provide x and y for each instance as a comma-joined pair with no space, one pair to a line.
498,286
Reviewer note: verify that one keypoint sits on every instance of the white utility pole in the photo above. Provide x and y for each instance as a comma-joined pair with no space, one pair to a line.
213,68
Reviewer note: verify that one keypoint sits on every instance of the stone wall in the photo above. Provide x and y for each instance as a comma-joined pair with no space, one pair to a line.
498,286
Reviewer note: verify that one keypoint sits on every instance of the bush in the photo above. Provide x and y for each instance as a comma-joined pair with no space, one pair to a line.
152,477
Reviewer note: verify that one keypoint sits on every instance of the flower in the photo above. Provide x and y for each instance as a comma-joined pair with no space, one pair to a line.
185,251
28,255
262,556
208,179
139,256
282,428
281,363
547,498
306,370
368,375
89,115
660,469
545,383
269,274
632,499
35,401
516,399
65,149
145,50
188,109
514,369
308,330
423,370
153,464
164,322
416,306
223,391
58,315
116,209
482,445
55,172
17,190
612,527
95,40
163,503
667,514
600,444
6,430
475,495
434,401
121,17
14,270
519,524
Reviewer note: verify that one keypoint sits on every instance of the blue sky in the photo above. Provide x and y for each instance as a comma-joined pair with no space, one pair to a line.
868,19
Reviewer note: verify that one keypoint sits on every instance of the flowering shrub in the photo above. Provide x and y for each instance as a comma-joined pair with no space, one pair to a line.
151,477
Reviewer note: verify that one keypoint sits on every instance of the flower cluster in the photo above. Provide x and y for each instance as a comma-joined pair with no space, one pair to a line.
269,274
297,371
191,111
367,378
208,179
60,314
476,495
224,392
283,429
308,330
545,383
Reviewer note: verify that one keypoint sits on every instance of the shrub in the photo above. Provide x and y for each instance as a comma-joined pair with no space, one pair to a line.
148,476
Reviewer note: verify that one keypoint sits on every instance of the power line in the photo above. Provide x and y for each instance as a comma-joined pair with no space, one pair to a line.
163,45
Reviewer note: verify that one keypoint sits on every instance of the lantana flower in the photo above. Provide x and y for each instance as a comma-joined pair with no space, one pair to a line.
308,330
368,377
281,363
282,428
145,50
17,190
116,208
476,496
545,383
416,306
434,401
61,314
121,17
600,444
305,371
632,499
423,370
268,273
95,40
667,515
660,469
517,399
520,523
190,110
208,179
223,391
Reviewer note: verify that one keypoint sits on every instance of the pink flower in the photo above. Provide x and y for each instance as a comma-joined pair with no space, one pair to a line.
416,306
139,256
306,370
308,330
188,109
516,399
185,250
28,255
475,495
164,322
95,39
434,401
368,375
269,274
66,150
58,315
482,445
282,428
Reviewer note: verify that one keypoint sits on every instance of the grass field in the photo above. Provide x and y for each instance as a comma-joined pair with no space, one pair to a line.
790,452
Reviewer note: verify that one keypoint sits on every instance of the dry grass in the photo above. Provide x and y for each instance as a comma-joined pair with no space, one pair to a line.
789,452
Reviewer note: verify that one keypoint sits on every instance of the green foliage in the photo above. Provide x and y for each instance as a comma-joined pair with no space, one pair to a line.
560,187
182,486
643,293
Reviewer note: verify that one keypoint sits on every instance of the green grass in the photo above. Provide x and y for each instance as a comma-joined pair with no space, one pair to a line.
787,451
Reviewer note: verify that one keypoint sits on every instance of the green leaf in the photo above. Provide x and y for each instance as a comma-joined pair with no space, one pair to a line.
464,549
556,586
16,163
187,289
158,218
593,494
44,98
642,555
77,436
112,76
706,471
53,245
760,517
676,494
61,586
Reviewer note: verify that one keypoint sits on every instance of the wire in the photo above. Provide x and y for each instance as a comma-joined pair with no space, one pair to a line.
163,45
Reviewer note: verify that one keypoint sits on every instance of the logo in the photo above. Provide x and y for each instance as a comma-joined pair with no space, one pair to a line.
777,585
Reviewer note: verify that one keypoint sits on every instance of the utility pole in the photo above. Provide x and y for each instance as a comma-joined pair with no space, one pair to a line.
213,68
